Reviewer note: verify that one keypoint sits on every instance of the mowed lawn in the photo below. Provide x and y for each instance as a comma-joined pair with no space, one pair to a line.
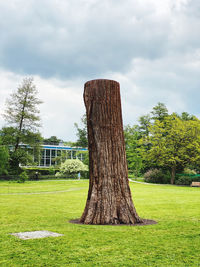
49,205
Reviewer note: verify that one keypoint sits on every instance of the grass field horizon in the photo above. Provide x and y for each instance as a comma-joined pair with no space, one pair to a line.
50,205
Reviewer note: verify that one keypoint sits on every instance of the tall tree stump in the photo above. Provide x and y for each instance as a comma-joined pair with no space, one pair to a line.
109,198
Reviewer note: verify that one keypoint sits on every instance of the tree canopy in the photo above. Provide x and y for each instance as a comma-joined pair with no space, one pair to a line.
174,143
163,140
53,140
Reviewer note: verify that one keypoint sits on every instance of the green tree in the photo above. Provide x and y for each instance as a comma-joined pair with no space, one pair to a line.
134,160
144,123
186,116
8,136
4,158
53,140
81,134
174,143
159,112
22,114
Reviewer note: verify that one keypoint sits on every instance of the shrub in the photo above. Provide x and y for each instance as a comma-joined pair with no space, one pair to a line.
71,167
187,180
154,176
183,180
23,177
51,170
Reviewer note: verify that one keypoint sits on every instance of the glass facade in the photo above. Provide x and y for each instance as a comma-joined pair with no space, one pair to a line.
53,155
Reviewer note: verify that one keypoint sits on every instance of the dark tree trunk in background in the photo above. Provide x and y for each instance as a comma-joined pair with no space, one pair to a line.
109,197
173,173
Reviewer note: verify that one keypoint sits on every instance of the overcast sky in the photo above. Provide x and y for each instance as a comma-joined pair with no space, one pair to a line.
151,47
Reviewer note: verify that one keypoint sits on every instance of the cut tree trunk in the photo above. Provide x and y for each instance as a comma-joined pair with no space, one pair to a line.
109,198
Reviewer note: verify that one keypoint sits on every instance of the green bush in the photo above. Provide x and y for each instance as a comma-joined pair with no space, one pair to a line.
23,177
183,180
154,176
187,180
52,170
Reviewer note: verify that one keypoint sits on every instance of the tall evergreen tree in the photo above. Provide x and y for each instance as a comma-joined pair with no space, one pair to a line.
22,114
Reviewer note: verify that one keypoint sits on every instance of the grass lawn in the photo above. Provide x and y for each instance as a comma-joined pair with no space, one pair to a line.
49,205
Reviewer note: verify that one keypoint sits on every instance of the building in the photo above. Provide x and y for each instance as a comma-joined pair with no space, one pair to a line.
51,155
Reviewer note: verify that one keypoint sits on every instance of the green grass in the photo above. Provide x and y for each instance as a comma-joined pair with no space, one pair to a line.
174,241
138,179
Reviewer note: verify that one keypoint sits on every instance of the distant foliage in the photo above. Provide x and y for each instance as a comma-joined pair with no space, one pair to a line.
4,158
53,140
23,177
51,170
81,133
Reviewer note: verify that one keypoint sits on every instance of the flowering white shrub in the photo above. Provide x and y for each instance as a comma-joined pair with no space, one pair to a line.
71,166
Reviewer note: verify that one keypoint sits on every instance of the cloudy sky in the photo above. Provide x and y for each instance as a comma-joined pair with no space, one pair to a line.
151,47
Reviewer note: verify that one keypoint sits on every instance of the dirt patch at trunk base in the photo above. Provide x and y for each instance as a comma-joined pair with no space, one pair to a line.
144,222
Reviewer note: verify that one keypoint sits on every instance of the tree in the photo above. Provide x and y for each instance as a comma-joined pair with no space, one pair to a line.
53,140
186,116
8,136
134,160
144,123
159,112
82,133
109,198
4,158
22,114
174,143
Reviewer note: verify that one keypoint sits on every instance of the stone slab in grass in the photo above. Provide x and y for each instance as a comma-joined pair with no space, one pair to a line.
35,234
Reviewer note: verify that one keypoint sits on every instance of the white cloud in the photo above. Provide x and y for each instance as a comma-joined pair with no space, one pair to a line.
62,103
151,47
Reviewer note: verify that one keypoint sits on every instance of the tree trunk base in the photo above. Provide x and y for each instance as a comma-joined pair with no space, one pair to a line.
142,223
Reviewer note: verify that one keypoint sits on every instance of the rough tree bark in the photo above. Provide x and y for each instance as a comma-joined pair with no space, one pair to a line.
109,197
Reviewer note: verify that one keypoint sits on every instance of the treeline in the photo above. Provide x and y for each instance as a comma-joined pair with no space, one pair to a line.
160,147
163,145
21,140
